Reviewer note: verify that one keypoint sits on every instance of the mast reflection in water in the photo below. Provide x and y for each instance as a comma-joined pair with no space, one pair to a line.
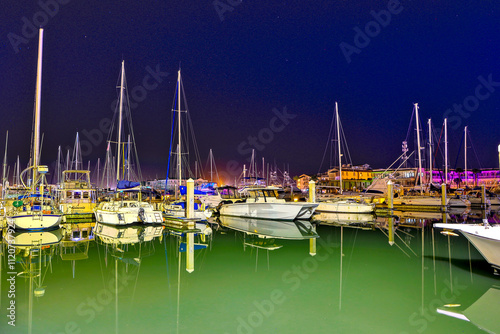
372,274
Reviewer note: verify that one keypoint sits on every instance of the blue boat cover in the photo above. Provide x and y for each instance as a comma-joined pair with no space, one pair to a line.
182,204
34,196
196,191
183,247
126,184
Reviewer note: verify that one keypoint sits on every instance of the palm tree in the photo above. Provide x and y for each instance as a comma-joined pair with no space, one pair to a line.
458,180
476,171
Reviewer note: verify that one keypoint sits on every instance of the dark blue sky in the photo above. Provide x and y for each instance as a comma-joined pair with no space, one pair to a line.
249,59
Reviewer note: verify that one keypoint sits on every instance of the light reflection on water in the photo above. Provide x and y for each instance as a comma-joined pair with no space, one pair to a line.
337,273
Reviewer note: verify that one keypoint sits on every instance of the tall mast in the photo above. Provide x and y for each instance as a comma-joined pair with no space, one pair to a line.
211,162
263,170
59,164
4,175
98,166
128,158
446,151
430,152
418,148
38,98
18,178
67,160
338,139
179,157
118,154
465,146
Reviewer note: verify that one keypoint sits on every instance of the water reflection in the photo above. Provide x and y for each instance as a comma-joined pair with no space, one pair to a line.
29,259
481,312
75,243
265,228
262,234
245,275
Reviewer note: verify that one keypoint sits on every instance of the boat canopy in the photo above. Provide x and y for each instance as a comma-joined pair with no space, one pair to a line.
34,196
183,190
126,184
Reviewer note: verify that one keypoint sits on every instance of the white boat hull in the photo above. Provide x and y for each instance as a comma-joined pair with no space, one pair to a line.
344,218
486,239
267,210
127,216
34,222
418,200
178,211
345,207
459,203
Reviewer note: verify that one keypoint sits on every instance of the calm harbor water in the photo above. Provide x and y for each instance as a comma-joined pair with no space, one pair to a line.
339,274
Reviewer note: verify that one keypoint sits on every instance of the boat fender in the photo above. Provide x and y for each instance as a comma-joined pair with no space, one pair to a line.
141,215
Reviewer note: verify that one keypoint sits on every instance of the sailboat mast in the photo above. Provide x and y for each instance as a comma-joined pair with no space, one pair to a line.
418,148
263,170
211,162
430,151
38,97
128,158
465,141
18,177
4,175
120,123
76,151
98,184
59,154
446,151
338,140
179,162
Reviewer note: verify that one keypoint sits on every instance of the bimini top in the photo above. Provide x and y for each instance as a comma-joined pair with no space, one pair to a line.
34,196
183,190
127,185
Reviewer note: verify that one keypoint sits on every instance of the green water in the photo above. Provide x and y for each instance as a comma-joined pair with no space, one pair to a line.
355,283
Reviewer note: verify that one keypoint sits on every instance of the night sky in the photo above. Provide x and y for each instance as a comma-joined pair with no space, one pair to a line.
245,62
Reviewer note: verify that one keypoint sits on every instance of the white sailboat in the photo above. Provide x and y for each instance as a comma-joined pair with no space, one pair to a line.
351,204
177,208
123,209
35,211
422,199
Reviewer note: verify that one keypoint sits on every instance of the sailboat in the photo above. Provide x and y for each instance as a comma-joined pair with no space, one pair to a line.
347,204
35,210
419,199
177,208
123,208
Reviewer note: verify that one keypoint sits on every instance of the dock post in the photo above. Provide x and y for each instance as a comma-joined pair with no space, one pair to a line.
483,196
312,191
443,195
190,236
312,244
190,198
391,230
390,195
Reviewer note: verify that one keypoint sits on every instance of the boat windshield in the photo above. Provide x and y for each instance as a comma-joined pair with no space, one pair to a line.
228,193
